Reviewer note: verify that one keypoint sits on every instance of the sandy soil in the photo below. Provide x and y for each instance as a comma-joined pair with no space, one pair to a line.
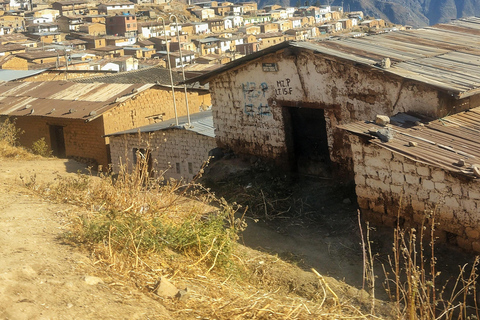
39,277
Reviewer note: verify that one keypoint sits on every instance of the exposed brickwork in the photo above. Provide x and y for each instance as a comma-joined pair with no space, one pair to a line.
140,110
168,147
388,184
346,92
85,139
82,139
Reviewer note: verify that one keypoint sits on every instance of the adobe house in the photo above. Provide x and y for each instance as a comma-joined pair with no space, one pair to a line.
423,166
175,151
74,117
285,103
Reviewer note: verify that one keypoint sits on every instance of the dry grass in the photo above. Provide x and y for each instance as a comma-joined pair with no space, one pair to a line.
139,229
413,281
9,148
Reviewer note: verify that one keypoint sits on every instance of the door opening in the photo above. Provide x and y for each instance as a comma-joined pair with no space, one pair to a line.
57,141
308,145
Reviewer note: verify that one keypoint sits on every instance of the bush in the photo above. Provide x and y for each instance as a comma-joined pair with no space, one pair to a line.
40,147
9,132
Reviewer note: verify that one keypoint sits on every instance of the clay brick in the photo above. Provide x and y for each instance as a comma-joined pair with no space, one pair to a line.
438,176
428,184
423,171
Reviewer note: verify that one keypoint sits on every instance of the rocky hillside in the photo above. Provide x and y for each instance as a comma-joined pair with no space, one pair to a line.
414,12
417,13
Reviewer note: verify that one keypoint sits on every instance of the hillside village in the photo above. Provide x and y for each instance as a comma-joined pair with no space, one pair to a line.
312,89
81,35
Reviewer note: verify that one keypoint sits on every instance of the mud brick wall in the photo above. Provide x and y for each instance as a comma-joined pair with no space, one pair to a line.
83,140
388,183
167,147
248,100
142,109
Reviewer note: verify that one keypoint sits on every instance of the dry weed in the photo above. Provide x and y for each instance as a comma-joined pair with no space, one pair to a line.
139,228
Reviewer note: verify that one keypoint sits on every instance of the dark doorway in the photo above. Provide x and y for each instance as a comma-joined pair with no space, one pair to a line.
57,141
308,141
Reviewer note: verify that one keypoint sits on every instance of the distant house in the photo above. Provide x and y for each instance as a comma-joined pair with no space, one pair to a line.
42,28
125,25
70,23
71,7
74,117
9,49
17,23
171,150
139,52
204,13
11,62
118,64
41,57
93,29
120,8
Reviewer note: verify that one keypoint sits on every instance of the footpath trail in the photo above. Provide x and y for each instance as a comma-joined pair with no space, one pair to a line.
40,278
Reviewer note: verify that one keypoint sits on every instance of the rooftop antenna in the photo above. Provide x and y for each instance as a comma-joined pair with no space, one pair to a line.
183,69
170,70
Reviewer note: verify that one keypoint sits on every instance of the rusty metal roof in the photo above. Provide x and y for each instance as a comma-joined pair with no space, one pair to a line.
63,99
446,56
200,122
440,143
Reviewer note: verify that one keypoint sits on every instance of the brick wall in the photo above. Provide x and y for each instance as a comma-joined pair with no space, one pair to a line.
247,101
140,110
83,140
168,148
387,182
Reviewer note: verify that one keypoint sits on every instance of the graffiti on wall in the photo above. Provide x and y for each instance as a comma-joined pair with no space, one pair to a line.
283,87
255,99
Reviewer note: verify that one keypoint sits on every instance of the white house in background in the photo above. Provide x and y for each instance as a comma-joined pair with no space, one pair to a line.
204,13
296,22
120,64
228,23
281,12
290,11
42,19
149,29
201,27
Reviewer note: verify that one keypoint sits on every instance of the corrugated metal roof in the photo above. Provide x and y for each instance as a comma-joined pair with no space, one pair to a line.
446,56
63,99
440,143
201,123
11,75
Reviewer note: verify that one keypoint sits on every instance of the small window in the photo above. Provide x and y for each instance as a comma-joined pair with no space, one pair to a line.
177,167
190,168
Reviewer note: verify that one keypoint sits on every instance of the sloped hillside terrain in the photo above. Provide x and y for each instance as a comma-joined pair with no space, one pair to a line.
417,13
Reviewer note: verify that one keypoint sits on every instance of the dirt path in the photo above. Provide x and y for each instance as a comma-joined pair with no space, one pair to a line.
39,277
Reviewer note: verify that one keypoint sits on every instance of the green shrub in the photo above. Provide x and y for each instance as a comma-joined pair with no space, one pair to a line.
9,132
40,147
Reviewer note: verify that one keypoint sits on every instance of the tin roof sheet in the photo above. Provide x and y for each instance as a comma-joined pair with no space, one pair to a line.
446,56
200,122
63,99
440,143
11,75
